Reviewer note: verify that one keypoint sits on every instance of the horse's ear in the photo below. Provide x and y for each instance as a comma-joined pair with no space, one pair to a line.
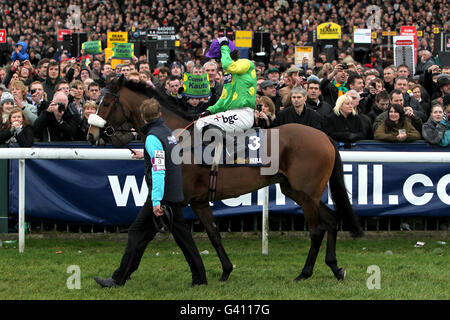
108,80
121,80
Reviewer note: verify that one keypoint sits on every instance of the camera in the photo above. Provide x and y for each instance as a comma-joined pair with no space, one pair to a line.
373,84
61,107
344,66
33,91
259,107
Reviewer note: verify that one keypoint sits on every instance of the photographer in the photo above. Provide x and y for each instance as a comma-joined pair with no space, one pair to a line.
55,123
264,113
38,98
335,84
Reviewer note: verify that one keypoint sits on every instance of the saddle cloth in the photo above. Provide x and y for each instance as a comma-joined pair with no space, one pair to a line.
242,149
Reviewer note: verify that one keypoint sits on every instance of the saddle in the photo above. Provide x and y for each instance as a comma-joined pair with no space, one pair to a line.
228,150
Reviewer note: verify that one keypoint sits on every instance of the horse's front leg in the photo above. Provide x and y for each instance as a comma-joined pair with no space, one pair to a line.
205,215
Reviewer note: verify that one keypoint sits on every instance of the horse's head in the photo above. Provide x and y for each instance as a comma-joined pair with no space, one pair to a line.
112,112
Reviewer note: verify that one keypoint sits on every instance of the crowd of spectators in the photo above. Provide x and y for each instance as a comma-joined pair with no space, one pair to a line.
349,101
47,95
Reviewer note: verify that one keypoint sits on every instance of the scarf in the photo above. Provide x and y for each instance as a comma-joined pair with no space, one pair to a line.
341,88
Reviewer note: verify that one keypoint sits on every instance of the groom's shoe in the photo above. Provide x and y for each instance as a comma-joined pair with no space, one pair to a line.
107,283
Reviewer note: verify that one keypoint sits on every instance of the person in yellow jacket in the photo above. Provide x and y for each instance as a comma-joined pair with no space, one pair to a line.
234,111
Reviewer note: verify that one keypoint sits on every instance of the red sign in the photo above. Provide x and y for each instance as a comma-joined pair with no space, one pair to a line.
410,31
2,35
403,42
61,33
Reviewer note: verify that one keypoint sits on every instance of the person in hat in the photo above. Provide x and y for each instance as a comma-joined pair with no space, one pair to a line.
6,105
315,100
234,111
269,89
164,180
294,78
176,69
439,88
20,52
274,75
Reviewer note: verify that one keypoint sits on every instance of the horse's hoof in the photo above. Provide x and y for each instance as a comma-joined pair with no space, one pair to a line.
341,274
302,277
225,275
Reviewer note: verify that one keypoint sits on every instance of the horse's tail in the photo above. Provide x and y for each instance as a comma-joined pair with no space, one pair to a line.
340,197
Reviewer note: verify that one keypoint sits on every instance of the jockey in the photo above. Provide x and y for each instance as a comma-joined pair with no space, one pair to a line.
234,111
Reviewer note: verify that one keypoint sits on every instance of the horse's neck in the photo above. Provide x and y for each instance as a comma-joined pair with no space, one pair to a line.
172,120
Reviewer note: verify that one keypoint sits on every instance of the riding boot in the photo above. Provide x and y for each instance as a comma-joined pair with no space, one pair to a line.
205,155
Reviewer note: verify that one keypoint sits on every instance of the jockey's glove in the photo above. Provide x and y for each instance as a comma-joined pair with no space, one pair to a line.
205,113
223,41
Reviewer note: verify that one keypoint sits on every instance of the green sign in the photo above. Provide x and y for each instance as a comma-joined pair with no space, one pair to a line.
123,50
196,86
92,47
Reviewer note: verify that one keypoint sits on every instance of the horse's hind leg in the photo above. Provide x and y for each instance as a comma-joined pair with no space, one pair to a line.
316,230
316,235
205,215
327,216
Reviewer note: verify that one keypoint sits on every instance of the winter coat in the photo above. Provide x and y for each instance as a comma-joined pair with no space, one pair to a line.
23,136
391,135
343,129
445,142
22,55
308,117
47,128
432,131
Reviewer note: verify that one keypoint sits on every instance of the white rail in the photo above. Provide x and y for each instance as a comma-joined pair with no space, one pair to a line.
124,154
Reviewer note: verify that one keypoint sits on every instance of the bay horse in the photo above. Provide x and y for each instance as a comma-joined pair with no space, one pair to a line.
308,160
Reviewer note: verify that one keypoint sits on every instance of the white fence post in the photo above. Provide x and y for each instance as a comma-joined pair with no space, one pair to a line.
21,205
265,222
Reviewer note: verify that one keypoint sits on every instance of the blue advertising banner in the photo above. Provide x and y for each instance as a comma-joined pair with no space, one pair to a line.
109,192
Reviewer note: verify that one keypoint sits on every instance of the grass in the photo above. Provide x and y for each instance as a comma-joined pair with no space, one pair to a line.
408,273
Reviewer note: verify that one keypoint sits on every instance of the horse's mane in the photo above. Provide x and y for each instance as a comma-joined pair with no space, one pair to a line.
164,100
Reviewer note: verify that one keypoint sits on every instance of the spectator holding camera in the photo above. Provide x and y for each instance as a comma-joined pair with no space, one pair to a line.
397,98
264,113
57,123
335,84
76,97
38,98
17,129
396,127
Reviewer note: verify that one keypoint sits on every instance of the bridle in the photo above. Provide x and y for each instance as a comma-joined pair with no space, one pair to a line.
108,129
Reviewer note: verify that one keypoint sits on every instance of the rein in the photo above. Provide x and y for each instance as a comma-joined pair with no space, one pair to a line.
185,128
